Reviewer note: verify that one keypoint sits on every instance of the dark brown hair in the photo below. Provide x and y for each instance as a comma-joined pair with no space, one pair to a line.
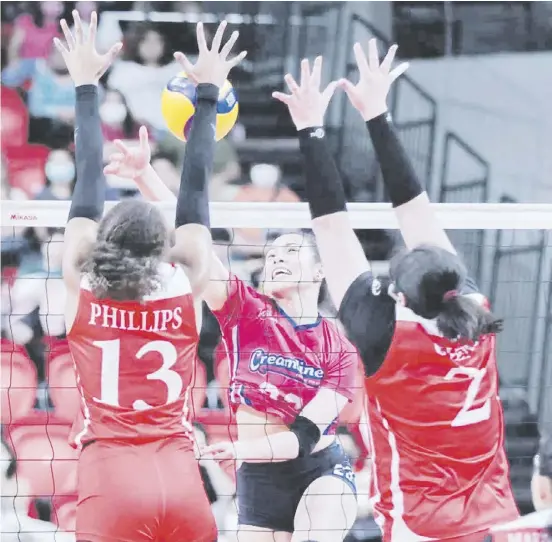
124,262
424,275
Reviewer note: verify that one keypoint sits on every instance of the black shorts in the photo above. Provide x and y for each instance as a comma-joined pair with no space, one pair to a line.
269,493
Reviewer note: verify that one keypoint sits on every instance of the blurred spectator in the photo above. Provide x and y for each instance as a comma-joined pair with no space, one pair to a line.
16,524
541,485
38,290
142,78
106,34
60,176
165,166
117,120
538,525
226,166
50,98
34,31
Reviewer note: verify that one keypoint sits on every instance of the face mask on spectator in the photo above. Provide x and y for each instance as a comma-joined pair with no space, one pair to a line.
265,175
113,113
60,172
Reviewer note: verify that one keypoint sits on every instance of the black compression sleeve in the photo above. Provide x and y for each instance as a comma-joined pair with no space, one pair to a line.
398,174
89,192
323,183
192,206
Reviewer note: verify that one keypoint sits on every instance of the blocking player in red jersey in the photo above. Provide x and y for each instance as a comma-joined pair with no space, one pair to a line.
292,372
428,343
131,321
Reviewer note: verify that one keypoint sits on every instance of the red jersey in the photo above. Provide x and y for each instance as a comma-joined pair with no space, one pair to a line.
435,427
535,527
135,362
276,366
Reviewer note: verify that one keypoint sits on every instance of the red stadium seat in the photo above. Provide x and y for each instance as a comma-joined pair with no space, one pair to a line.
45,459
17,383
15,119
62,383
26,167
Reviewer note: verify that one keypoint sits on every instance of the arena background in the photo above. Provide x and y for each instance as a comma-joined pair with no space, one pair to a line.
475,116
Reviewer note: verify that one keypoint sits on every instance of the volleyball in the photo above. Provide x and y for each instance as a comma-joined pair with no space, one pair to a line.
178,107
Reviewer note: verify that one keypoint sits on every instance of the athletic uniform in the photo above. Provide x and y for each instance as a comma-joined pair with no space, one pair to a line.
277,367
536,527
138,478
434,422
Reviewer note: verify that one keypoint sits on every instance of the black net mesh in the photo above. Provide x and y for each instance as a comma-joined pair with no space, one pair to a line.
40,399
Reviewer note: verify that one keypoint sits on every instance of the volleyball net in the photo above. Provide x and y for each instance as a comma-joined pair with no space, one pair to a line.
507,249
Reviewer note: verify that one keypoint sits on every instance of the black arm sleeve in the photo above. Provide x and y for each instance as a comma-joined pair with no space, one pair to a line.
192,206
89,192
323,183
368,316
398,174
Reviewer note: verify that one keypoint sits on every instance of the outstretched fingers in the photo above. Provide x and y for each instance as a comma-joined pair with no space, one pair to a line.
225,51
316,74
69,38
125,151
398,71
217,40
291,83
78,26
385,66
361,60
201,41
182,59
305,72
237,59
92,30
144,138
281,97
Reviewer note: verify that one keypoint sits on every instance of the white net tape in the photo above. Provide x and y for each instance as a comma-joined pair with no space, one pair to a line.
39,397
454,216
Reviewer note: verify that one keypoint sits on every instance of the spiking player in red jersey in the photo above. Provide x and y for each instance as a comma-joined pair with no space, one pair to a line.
292,373
427,338
132,325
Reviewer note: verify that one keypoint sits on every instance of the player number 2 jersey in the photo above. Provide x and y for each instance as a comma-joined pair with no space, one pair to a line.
436,431
135,362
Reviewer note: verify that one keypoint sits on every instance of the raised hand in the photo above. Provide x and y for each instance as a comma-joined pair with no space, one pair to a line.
130,163
83,61
369,95
307,104
213,65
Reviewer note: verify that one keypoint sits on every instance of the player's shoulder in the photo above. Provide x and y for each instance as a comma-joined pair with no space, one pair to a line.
334,334
247,290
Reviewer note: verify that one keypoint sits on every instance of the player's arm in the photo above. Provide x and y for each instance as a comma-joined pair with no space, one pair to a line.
340,250
305,432
134,163
192,238
416,218
85,66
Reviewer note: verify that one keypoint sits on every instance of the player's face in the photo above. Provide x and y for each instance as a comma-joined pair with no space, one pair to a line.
290,262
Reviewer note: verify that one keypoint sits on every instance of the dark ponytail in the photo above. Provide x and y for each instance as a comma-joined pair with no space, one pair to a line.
115,273
431,279
464,318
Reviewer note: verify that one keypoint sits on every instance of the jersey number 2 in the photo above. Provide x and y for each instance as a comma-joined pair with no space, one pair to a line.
467,414
111,354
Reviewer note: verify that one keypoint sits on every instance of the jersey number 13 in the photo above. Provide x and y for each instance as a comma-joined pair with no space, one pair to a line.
111,355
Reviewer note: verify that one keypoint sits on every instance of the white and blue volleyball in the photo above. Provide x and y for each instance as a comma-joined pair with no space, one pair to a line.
178,103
